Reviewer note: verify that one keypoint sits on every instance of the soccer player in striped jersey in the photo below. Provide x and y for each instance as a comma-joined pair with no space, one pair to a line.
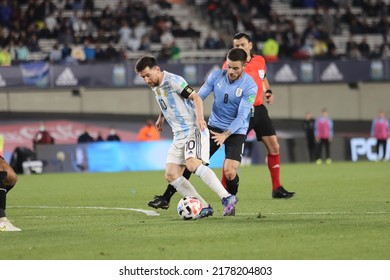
182,108
8,180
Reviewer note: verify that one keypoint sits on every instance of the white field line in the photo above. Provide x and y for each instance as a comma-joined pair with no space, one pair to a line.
317,213
147,212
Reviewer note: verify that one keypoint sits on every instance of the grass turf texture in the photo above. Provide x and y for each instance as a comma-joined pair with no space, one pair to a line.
341,211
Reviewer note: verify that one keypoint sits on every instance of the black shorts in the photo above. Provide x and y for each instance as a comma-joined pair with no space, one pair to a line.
261,123
234,145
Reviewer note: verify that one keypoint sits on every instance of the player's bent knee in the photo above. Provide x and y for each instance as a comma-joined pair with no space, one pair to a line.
192,164
11,179
230,174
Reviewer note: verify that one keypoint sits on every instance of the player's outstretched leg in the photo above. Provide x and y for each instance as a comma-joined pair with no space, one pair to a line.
162,201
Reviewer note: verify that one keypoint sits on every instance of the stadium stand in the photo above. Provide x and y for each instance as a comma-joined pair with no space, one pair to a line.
337,26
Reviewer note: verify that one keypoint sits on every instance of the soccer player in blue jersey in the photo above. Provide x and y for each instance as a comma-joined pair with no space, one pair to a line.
234,94
182,108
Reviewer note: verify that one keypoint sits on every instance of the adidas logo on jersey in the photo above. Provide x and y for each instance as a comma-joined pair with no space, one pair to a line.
66,78
2,82
285,74
331,73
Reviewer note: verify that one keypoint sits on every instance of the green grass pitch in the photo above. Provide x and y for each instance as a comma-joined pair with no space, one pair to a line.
340,212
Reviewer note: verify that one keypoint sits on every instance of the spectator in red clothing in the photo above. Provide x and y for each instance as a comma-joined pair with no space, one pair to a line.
42,137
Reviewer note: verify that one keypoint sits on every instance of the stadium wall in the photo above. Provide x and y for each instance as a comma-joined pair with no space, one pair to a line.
356,102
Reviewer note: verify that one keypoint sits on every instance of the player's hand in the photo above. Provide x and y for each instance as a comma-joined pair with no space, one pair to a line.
201,124
269,98
219,138
159,124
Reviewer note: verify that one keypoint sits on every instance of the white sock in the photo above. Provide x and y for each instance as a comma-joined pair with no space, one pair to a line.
184,187
210,179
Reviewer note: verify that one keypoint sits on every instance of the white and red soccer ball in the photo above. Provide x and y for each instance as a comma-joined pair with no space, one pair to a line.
189,208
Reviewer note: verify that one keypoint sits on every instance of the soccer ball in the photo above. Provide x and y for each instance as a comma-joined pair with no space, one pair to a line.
189,207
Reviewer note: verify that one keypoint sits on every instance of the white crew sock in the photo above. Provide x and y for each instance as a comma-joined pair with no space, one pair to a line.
210,179
184,187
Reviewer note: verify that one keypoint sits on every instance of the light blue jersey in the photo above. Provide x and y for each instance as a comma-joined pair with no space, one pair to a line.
178,111
232,101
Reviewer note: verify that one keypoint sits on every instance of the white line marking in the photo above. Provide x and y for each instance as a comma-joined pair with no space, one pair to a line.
147,212
316,213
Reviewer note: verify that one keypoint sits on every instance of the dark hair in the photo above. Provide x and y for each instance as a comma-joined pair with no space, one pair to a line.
237,54
144,62
240,35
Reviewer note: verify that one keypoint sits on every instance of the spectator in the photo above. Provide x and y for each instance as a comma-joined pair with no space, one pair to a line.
191,32
100,53
22,52
78,53
364,48
380,130
149,132
89,5
5,13
271,50
51,24
308,128
99,137
66,37
85,137
167,38
111,53
165,54
90,53
323,131
42,137
145,43
320,48
55,55
124,33
5,57
46,8
211,42
133,43
66,52
113,136
175,52
33,43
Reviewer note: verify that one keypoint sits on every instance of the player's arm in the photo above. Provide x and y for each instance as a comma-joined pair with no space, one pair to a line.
198,103
267,91
244,110
160,121
189,93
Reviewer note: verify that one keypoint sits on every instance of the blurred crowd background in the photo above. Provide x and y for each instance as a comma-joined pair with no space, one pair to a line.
85,31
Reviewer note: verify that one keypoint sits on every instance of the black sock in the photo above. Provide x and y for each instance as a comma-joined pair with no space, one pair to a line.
3,175
187,174
169,192
232,186
3,193
3,196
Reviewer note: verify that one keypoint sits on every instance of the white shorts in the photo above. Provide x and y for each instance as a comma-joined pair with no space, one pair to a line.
196,145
